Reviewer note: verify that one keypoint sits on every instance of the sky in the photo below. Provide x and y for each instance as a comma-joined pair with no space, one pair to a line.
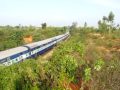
56,12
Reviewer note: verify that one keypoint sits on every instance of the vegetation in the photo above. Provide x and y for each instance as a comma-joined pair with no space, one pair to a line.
107,22
44,25
88,60
13,36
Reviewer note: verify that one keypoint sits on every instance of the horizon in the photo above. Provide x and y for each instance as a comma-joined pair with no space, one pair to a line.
56,13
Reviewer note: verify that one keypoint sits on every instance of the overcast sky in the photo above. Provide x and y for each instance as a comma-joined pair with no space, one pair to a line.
56,12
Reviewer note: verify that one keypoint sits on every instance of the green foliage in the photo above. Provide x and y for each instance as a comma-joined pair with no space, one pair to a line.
79,47
98,64
87,74
111,17
22,76
107,23
44,25
76,58
73,26
17,37
61,69
108,78
11,37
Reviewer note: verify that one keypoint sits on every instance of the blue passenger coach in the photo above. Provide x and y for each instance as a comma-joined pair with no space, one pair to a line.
14,55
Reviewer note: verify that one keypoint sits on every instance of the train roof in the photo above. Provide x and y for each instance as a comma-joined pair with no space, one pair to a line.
35,44
12,51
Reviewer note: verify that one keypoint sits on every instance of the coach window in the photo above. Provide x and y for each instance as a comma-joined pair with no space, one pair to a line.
8,59
27,54
16,59
2,61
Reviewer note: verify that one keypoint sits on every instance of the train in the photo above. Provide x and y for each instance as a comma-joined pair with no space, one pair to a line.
32,50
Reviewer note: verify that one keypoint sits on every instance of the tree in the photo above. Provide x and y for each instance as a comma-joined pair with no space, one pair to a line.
102,24
111,17
85,24
74,25
107,22
110,21
105,19
118,26
44,25
99,24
